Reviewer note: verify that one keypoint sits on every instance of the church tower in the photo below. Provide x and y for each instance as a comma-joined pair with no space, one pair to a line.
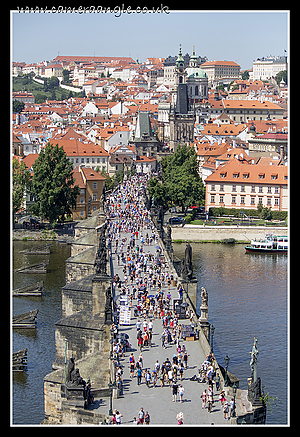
180,73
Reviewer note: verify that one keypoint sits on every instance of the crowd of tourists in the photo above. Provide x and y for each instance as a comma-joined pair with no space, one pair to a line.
145,285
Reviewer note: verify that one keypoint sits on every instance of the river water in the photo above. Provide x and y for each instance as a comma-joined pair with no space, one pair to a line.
28,388
247,297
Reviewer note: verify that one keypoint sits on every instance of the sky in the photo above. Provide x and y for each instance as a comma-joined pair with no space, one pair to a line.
241,36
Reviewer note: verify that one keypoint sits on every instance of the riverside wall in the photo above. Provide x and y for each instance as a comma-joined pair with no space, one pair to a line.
200,233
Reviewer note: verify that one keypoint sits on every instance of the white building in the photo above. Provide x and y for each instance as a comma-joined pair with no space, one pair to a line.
265,68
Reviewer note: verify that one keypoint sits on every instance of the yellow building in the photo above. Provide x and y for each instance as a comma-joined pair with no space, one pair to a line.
91,185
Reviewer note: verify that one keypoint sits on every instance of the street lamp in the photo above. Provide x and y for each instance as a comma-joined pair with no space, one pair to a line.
226,359
111,387
212,330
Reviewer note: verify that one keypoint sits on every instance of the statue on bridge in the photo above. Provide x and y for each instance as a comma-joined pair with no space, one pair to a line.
101,258
253,360
186,264
73,376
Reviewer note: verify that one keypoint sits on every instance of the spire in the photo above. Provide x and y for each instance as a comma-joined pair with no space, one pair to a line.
193,50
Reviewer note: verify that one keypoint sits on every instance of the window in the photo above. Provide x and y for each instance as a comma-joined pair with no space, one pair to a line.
253,189
233,199
269,190
242,188
261,175
94,197
233,187
242,199
260,189
276,201
274,177
221,187
222,175
235,175
94,185
276,190
213,187
81,199
245,175
82,191
221,198
252,201
269,201
260,200
212,199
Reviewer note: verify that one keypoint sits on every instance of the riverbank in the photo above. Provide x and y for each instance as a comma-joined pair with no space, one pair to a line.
210,234
42,235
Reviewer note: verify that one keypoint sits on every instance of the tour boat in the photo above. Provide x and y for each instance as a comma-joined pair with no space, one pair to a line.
272,244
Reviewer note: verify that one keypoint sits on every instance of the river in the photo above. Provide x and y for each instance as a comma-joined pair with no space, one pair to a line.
28,388
247,297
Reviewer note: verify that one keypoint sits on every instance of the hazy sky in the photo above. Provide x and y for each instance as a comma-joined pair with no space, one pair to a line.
225,35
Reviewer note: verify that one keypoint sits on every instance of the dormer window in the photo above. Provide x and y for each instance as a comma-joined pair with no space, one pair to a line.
261,176
223,175
245,175
274,177
235,175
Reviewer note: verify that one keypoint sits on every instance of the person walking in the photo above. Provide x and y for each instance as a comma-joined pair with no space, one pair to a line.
226,410
180,392
147,418
118,418
185,359
148,378
174,391
204,398
141,416
139,376
217,381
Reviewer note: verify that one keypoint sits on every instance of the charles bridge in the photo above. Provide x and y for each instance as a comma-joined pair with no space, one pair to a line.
84,336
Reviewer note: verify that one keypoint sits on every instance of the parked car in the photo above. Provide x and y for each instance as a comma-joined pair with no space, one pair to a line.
176,221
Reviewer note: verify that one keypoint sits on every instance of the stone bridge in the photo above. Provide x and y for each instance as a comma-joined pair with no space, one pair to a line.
84,333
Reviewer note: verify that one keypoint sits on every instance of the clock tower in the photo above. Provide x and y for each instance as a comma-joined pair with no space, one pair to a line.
180,73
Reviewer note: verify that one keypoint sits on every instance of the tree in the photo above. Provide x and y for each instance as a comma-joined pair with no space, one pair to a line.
159,192
18,106
66,78
281,75
245,75
53,82
53,184
20,179
181,184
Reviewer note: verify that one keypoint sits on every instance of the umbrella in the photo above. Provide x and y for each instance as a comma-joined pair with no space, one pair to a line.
185,304
157,247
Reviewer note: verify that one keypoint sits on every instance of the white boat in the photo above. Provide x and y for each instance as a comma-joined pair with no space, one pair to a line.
272,244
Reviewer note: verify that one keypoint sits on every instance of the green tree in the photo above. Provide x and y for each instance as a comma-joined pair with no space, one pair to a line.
20,179
281,75
245,75
18,106
181,184
158,190
66,78
53,82
53,184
